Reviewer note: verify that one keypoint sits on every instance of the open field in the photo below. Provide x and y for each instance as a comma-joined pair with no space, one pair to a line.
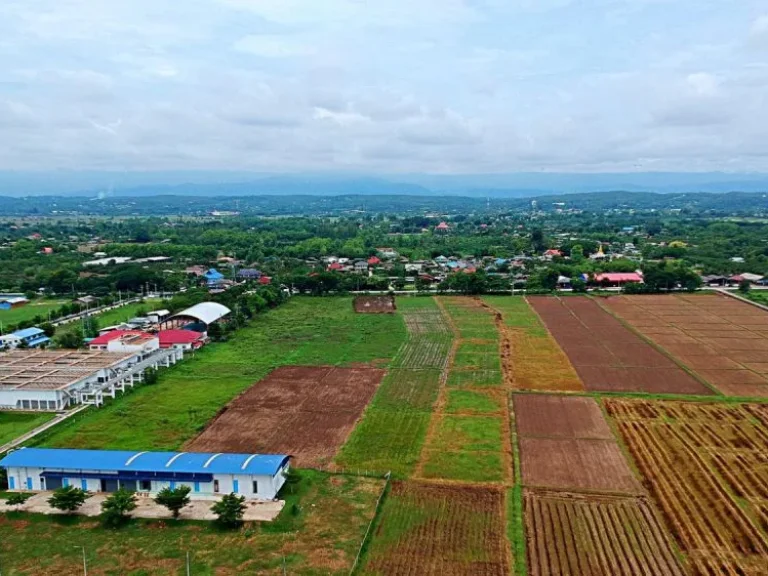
722,340
302,411
532,358
468,438
374,304
323,538
566,444
14,424
306,331
705,465
116,316
435,530
607,356
579,535
391,433
28,312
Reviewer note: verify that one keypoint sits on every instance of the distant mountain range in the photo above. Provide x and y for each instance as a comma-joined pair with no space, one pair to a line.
228,184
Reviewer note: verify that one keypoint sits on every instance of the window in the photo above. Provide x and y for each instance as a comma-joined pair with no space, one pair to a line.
145,485
255,487
216,486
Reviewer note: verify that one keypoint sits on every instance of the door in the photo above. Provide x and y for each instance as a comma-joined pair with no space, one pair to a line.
29,483
108,485
53,483
236,486
12,482
84,484
42,482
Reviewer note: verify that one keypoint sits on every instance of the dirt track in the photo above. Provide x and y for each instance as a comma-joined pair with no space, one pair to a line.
304,411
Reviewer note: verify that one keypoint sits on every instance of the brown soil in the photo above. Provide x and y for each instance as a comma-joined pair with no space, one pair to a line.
306,412
697,459
440,530
546,416
375,304
576,464
723,340
607,356
582,535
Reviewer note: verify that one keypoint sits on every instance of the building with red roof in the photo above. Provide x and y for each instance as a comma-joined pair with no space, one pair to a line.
264,280
442,227
335,266
183,339
373,261
127,341
618,278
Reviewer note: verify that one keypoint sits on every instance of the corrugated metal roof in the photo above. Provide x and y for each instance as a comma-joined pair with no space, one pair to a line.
122,460
207,312
27,332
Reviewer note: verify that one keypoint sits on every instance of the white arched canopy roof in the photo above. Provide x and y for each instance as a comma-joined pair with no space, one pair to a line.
206,312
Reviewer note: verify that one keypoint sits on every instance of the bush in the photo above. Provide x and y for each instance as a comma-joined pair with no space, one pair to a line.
230,509
174,499
68,498
17,498
115,509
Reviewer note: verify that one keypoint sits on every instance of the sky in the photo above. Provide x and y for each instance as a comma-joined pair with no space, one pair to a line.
384,86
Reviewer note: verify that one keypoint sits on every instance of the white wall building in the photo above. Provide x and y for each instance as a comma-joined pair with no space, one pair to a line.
255,476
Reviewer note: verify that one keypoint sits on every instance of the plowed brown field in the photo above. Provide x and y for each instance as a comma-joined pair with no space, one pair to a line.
437,530
723,340
706,465
576,535
374,304
607,356
566,444
307,412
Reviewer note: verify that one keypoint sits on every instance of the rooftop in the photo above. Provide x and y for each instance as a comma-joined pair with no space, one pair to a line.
121,460
52,370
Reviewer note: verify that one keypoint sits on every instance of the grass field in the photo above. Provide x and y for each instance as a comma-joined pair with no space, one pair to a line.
116,316
14,424
537,363
322,538
28,312
392,431
302,331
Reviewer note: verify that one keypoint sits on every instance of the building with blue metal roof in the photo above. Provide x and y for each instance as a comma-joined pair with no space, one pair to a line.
32,337
255,476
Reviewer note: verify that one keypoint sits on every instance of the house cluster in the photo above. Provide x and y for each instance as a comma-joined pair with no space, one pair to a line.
735,280
216,282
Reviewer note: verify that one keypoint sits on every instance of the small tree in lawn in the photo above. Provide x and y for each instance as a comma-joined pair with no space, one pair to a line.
745,286
173,498
116,507
68,498
230,509
17,498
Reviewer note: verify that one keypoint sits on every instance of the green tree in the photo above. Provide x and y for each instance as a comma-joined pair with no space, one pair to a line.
745,286
48,328
577,253
173,498
17,498
68,498
115,509
578,285
70,338
230,509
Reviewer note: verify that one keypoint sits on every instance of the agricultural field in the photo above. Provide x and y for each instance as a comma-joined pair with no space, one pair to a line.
30,311
374,304
705,466
533,359
14,424
323,537
580,535
391,433
439,530
722,340
608,357
464,444
303,331
306,412
566,444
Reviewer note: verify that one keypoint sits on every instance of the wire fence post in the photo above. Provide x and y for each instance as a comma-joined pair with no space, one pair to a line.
387,477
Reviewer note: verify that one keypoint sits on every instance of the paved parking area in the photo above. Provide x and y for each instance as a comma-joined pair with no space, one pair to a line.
198,509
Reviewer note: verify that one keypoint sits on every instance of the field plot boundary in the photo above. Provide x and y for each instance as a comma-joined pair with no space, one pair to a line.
468,458
608,356
305,411
701,463
391,432
629,326
721,341
570,533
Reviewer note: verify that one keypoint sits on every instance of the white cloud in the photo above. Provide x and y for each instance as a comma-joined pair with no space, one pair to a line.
703,84
273,46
